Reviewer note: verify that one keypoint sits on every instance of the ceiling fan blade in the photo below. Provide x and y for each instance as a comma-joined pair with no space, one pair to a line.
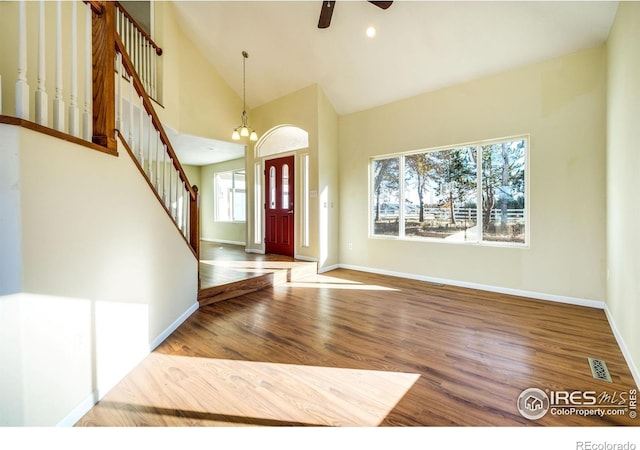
383,5
325,14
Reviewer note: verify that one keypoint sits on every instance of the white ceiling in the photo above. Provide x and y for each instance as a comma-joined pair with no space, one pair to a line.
420,45
199,151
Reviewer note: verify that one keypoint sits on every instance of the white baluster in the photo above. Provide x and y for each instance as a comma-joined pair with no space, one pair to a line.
145,56
154,93
188,214
178,200
171,208
123,31
185,208
74,112
147,66
135,49
118,28
180,203
141,133
87,120
139,53
131,135
148,71
58,102
42,107
22,88
118,89
149,128
164,173
177,217
157,162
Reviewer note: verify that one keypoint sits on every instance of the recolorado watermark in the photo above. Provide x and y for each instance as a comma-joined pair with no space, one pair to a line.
534,403
588,445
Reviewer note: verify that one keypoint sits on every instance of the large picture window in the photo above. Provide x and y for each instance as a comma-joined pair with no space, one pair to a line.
230,196
473,193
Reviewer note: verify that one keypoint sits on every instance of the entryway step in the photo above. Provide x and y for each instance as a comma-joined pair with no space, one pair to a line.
271,273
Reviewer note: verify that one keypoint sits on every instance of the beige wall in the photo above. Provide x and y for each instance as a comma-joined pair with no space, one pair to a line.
210,229
623,167
105,276
193,174
196,99
561,105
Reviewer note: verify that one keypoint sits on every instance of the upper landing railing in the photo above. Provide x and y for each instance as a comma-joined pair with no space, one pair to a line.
144,53
103,77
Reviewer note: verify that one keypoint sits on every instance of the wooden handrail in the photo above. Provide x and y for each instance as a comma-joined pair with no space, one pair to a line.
96,6
193,237
139,27
148,106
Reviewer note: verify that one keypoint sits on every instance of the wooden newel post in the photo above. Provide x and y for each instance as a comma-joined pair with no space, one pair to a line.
103,36
194,226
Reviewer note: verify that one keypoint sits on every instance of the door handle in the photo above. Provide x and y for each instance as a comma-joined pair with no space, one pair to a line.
290,212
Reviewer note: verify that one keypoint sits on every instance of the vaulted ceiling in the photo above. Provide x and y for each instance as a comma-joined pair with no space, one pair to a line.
420,46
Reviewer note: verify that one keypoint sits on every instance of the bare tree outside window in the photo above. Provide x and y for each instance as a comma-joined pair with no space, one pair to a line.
471,193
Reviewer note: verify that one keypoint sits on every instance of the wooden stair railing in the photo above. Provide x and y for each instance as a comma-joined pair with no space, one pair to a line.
142,50
104,115
147,141
124,106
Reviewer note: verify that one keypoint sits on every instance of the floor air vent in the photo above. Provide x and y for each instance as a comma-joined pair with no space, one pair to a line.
599,370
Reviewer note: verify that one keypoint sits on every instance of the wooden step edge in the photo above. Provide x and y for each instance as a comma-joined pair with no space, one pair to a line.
227,291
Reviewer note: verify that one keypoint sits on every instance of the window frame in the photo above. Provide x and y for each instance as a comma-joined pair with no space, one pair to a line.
479,184
232,200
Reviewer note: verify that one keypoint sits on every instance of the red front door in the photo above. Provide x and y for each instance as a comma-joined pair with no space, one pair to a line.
279,216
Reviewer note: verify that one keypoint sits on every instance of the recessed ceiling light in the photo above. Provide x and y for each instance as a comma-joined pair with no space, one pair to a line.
371,32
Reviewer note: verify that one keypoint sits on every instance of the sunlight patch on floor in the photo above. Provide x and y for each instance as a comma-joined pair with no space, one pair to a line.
259,393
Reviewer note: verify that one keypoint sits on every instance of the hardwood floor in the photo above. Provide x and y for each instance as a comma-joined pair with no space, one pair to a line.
350,348
225,263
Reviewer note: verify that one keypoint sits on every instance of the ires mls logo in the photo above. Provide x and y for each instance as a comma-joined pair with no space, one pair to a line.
534,403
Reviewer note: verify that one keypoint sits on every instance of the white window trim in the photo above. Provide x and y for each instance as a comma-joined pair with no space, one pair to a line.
479,242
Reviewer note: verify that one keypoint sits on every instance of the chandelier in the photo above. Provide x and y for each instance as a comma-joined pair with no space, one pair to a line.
244,129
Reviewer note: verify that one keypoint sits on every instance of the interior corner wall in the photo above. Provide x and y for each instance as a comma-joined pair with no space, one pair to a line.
623,167
561,104
329,189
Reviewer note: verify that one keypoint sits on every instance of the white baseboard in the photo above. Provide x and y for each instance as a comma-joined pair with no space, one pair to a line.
483,287
79,411
623,347
254,250
173,327
328,268
306,258
85,406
